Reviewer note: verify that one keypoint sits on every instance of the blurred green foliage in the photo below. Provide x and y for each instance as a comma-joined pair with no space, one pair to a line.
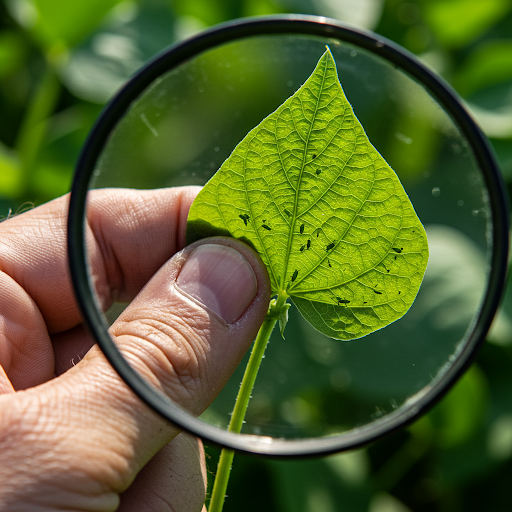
60,61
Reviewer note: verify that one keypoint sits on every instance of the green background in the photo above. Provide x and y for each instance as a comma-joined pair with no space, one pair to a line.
61,60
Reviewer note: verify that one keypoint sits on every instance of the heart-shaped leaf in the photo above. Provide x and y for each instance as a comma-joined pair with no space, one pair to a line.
326,213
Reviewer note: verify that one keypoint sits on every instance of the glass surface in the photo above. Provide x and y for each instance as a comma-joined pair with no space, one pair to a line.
181,129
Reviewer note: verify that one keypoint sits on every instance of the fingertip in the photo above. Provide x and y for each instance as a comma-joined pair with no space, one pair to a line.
220,278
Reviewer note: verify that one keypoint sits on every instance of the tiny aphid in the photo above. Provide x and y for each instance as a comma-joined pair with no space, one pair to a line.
330,246
329,263
341,301
314,156
302,229
294,276
245,218
302,247
318,171
308,244
396,249
268,228
378,293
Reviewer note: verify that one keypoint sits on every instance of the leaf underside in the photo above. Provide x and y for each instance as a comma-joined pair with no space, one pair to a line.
326,213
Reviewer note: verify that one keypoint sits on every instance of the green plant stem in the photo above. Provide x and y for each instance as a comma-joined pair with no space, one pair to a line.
34,125
242,401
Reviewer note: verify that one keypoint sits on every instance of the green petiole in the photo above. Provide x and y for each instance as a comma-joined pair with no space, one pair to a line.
275,313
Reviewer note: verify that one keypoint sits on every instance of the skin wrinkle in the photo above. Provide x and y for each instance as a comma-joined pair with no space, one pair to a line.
29,424
161,499
160,371
49,459
175,347
115,473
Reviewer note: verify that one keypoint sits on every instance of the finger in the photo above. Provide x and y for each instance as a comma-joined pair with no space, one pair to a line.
159,486
37,295
85,433
25,348
122,225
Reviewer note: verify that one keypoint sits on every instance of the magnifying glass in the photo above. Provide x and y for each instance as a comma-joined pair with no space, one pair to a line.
181,116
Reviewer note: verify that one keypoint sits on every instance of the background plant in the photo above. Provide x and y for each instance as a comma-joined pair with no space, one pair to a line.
61,60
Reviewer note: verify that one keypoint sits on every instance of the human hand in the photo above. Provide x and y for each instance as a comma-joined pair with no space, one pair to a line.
72,435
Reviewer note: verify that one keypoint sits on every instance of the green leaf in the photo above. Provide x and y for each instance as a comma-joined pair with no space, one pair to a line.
283,317
458,22
326,213
61,20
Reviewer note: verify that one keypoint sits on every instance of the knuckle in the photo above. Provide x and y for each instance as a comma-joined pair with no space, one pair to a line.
171,354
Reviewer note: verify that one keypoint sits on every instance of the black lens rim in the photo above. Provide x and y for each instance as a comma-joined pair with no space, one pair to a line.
301,25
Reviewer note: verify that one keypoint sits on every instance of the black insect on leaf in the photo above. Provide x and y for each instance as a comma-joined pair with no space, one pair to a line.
245,218
314,156
268,228
308,245
302,247
302,229
378,293
318,171
294,276
341,301
329,263
287,212
397,250
330,247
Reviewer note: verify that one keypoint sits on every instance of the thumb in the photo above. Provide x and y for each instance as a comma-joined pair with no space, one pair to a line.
188,329
85,433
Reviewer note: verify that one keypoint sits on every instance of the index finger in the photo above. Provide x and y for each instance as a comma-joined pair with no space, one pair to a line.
129,235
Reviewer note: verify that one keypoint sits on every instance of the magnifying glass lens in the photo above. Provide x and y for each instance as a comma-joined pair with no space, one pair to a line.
315,394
